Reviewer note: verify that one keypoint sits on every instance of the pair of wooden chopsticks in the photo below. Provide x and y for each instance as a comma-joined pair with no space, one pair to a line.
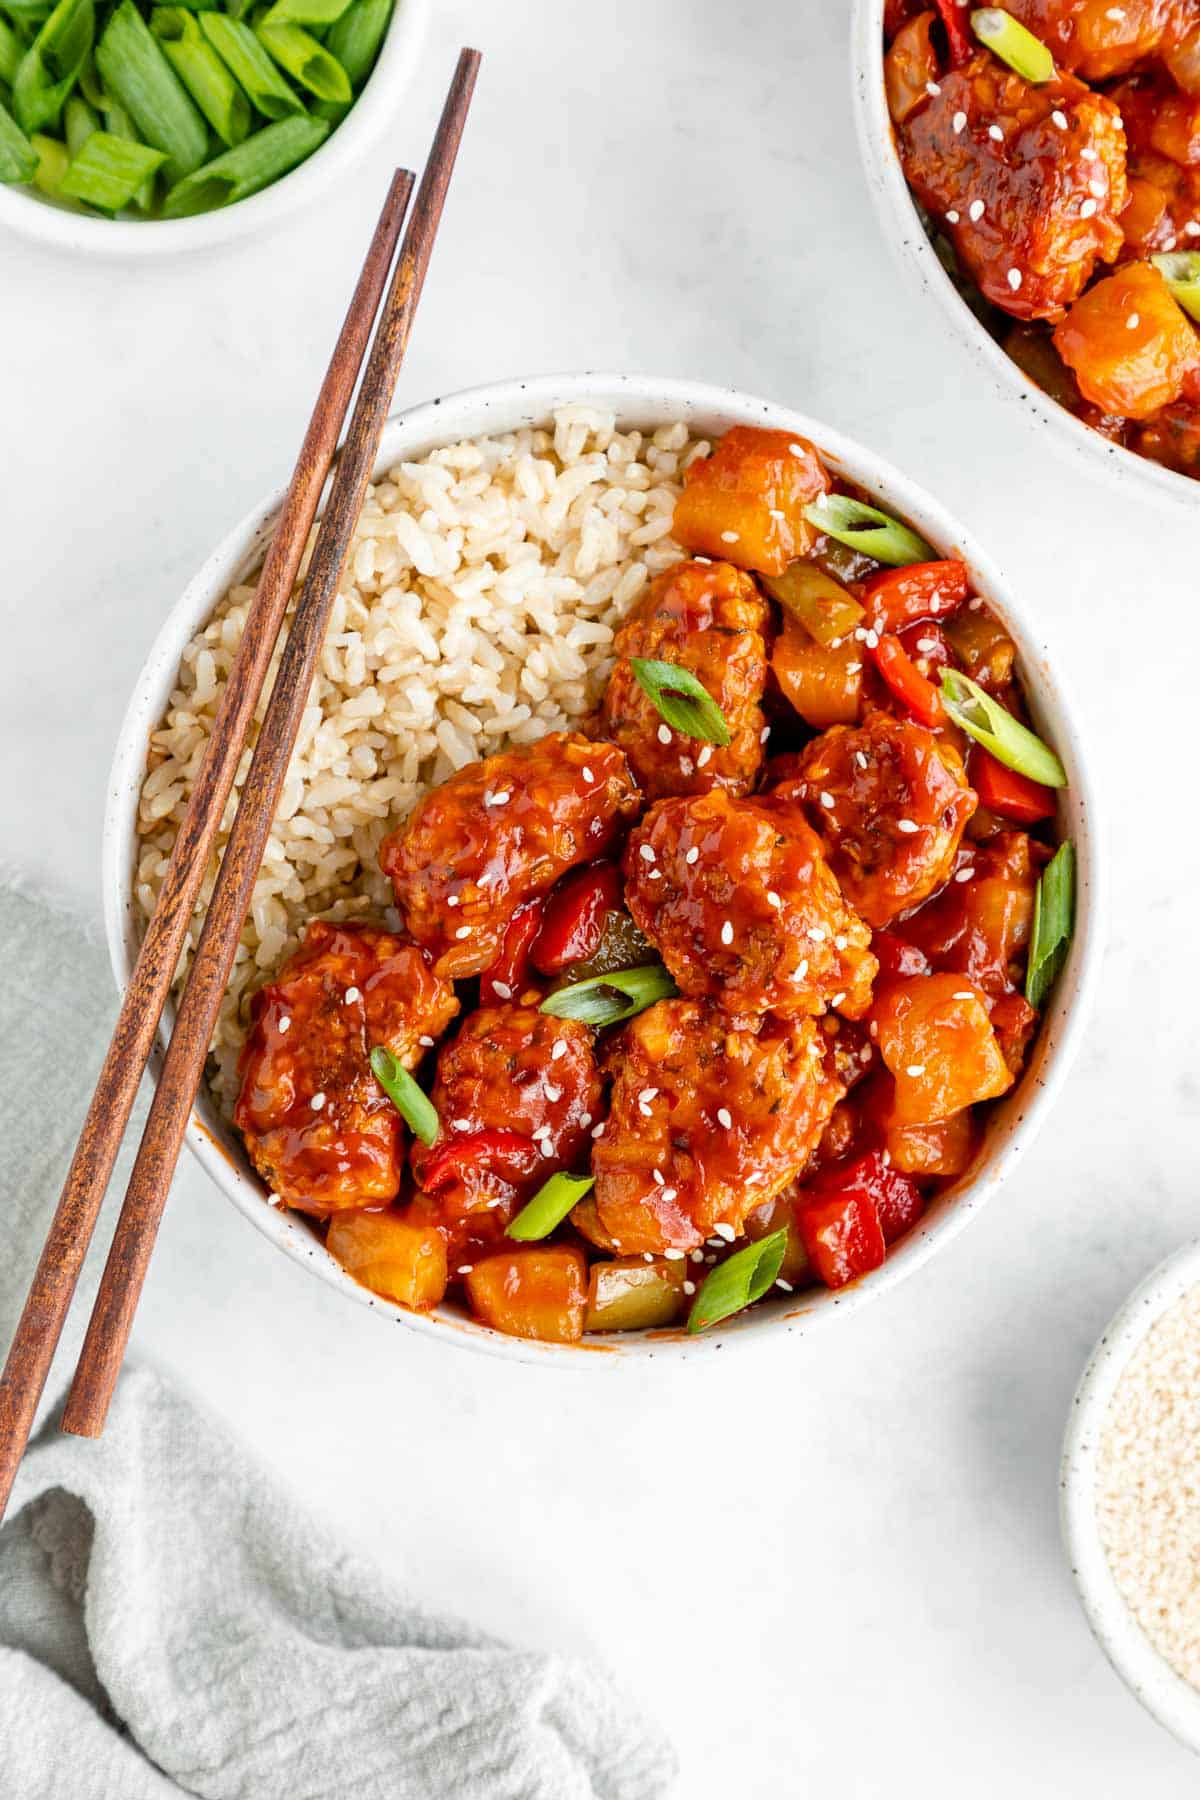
53,1285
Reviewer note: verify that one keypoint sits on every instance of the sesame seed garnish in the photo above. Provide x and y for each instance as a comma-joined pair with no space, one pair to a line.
689,1287
798,450
1014,279
958,123
827,801
1191,228
915,1070
704,756
284,1026
775,512
781,1283
1060,118
352,994
802,968
933,89
674,1255
318,1102
817,933
451,899
906,826
927,644
585,1120
837,999
727,932
853,668
1133,321
647,1256
1087,209
730,537
872,640
963,994
558,1048
840,941
975,211
598,1130
646,853
861,759
647,1094
425,1041
726,1232
657,1175
995,133
465,1268
587,773
886,1159
668,1193
764,734
664,734
497,799
724,1117
1099,188
693,855
953,216
697,1256
552,1093
464,931
465,1125
502,988
964,875
773,899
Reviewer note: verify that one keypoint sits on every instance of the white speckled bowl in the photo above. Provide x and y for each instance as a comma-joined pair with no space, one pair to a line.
1172,1701
377,107
641,400
906,237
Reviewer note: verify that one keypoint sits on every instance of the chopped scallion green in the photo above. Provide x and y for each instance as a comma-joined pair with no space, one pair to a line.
414,1107
356,37
1053,923
136,73
306,60
992,725
109,170
305,12
79,122
610,999
11,52
202,73
1180,269
53,163
18,158
682,700
867,529
51,66
549,1207
1013,43
741,1279
250,65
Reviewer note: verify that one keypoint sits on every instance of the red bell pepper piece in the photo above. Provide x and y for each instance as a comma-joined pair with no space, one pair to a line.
907,683
896,957
899,597
954,18
505,1153
509,974
843,1237
1007,793
573,922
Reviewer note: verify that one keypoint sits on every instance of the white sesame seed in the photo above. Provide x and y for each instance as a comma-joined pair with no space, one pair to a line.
781,1283
963,994
451,899
861,759
585,1120
693,855
674,1255
465,1125
647,1093
872,640
704,757
964,875
1133,321
499,798
725,1231
425,1041
817,933
802,968
654,874
729,537
1014,279
953,216
1116,14
587,773
664,734
915,1069
837,999
853,668
1191,228
840,941
657,1175
646,853
1099,188
464,931
886,1159
958,123
906,826
727,932
933,89
927,644
552,1093
318,1102
827,800
773,899
975,211
1060,118
558,1048
668,1193
689,1287
352,994
465,1268
697,1256
284,1026
798,450
1087,209
647,1256
776,512
724,1117
995,133
598,1130
764,734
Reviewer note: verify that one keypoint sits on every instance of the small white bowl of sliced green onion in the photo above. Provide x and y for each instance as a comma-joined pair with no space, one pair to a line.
132,127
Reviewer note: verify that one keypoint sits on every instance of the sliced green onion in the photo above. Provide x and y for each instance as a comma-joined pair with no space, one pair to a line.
136,72
865,528
79,122
18,158
685,704
109,171
249,64
356,37
307,60
1180,269
742,1278
608,999
90,84
1013,43
305,12
415,1108
1005,738
51,66
263,158
1053,923
11,52
118,124
53,162
549,1207
202,73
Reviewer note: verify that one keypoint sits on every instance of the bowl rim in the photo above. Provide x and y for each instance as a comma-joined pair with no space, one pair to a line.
502,406
1150,1678
27,212
910,246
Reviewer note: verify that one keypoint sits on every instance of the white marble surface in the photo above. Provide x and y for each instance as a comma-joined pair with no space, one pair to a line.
829,1567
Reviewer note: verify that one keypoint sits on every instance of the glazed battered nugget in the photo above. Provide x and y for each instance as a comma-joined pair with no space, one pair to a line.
889,801
1097,40
516,1093
738,898
1029,213
319,1128
500,832
711,619
709,1119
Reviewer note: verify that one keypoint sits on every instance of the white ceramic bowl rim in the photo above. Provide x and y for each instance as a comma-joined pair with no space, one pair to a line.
910,245
367,119
638,399
1171,1700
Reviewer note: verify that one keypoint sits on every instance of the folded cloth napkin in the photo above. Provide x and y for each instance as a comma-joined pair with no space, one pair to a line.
171,1622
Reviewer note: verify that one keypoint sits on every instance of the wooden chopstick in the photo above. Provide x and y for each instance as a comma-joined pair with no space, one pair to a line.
74,1222
183,1066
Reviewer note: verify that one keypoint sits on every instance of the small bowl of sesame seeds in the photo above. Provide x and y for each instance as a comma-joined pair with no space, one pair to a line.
1130,1493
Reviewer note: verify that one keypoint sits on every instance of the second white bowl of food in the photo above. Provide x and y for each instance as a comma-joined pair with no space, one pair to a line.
910,241
1128,1493
512,528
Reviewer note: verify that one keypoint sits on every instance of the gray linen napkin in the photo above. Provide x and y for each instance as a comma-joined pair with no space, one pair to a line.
170,1620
